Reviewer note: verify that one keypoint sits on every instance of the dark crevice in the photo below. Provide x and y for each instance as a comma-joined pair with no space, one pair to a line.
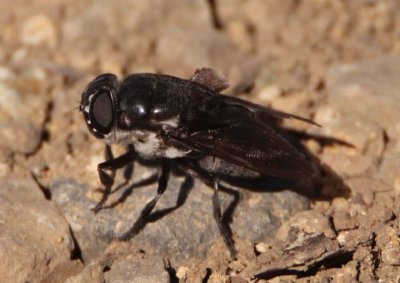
372,242
271,273
45,190
332,225
358,266
375,263
385,137
375,256
207,277
393,217
335,260
385,144
76,253
46,121
171,272
214,15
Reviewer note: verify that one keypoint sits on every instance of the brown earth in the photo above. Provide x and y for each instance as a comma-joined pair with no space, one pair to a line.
335,61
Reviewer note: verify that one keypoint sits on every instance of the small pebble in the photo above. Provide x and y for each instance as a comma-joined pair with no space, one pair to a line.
182,272
262,247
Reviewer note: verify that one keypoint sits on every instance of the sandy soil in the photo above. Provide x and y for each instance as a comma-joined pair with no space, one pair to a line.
336,62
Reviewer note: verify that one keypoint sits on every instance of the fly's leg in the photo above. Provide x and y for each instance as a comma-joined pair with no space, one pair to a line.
210,180
128,172
184,191
128,190
143,218
223,228
104,179
111,164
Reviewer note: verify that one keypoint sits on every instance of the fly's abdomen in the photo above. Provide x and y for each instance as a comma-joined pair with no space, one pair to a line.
219,166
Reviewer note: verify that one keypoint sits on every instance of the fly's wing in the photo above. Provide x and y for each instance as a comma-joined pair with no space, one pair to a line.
253,145
262,112
217,82
256,147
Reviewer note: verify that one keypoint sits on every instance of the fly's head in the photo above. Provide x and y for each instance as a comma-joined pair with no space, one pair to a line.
99,105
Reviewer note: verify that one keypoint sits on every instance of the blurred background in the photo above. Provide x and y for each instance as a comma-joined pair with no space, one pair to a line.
334,61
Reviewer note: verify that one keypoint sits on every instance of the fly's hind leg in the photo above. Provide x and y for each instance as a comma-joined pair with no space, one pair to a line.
212,181
223,228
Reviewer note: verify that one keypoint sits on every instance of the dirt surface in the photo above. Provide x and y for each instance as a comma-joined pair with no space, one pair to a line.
337,62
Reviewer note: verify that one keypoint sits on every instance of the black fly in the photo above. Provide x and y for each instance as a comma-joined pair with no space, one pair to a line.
190,123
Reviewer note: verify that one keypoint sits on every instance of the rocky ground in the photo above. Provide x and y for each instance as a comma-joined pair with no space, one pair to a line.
337,62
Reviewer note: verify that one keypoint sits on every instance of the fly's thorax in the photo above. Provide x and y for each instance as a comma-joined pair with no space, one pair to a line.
148,141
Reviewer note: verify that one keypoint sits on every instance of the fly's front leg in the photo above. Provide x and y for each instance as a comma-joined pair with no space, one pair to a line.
128,171
163,177
111,164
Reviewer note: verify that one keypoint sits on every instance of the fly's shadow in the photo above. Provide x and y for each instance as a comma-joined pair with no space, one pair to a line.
225,218
310,188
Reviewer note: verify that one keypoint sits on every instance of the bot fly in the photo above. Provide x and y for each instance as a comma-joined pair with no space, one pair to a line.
189,123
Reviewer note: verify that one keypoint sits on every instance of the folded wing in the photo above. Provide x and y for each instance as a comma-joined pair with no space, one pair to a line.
256,147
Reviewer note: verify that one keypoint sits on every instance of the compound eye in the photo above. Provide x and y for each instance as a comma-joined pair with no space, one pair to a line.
103,110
